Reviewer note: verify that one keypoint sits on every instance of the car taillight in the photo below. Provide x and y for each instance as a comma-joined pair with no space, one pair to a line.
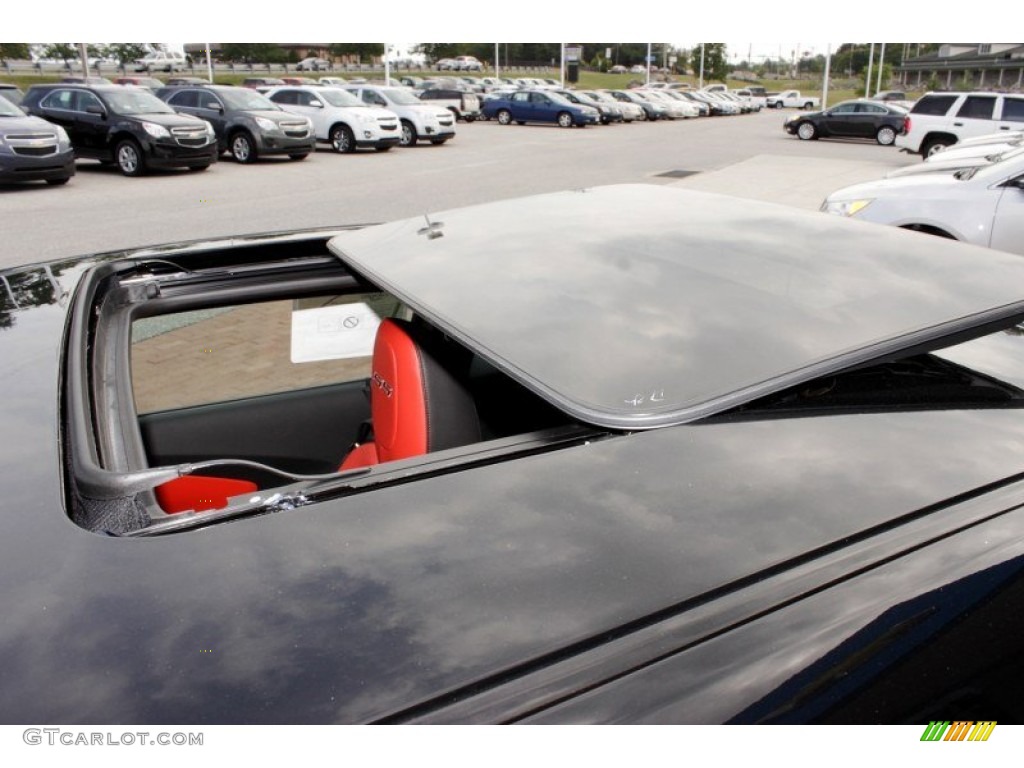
906,124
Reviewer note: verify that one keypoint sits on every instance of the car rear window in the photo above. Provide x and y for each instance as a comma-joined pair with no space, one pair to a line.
934,105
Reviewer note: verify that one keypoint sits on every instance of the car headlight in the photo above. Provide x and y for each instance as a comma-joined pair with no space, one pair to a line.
845,207
265,124
156,131
209,129
63,140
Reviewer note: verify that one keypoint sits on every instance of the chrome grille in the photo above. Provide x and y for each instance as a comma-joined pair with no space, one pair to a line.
32,144
189,136
295,129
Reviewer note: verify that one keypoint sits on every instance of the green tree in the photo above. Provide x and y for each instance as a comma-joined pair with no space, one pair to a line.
126,52
362,50
253,53
14,51
65,51
716,61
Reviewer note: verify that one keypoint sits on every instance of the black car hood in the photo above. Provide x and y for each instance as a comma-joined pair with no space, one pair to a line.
353,609
170,120
277,115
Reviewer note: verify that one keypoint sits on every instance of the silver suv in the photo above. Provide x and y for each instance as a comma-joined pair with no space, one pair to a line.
940,120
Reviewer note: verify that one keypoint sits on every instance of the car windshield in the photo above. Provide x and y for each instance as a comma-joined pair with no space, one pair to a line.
558,98
338,98
132,102
400,97
245,98
9,110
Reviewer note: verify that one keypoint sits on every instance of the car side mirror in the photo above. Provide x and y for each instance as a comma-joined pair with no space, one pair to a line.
214,106
93,109
317,104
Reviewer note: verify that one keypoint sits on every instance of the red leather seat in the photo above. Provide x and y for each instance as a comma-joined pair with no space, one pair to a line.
199,493
417,402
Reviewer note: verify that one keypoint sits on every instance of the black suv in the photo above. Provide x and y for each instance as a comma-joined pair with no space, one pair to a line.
124,125
247,123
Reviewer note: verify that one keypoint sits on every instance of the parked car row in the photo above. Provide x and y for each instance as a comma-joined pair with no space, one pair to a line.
138,125
460,64
584,107
191,125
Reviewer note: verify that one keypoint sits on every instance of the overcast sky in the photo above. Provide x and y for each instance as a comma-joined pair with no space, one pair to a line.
526,21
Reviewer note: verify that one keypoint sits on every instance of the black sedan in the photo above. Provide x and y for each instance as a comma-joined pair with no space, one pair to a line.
703,469
858,119
536,106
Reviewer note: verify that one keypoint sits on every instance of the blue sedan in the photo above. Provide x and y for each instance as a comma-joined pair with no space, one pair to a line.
539,107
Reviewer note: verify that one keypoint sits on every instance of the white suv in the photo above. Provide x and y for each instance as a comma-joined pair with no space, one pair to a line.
339,118
940,120
163,61
419,121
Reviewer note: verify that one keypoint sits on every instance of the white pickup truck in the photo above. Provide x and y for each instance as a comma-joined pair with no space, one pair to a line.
793,99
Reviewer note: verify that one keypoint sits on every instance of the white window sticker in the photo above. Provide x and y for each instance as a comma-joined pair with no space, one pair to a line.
333,333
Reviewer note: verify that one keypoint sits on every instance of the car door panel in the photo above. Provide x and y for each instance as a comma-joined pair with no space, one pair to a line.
304,431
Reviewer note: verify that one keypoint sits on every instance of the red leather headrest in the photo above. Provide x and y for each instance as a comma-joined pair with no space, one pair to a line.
398,398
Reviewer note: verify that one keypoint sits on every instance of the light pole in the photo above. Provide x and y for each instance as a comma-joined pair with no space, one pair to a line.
828,68
867,80
881,66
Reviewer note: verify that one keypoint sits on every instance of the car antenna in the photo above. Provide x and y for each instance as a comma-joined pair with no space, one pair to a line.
432,230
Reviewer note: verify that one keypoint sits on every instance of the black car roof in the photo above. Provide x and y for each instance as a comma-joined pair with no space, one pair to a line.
639,306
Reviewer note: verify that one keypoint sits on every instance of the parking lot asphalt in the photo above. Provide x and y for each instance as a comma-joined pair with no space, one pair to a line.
744,156
786,180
